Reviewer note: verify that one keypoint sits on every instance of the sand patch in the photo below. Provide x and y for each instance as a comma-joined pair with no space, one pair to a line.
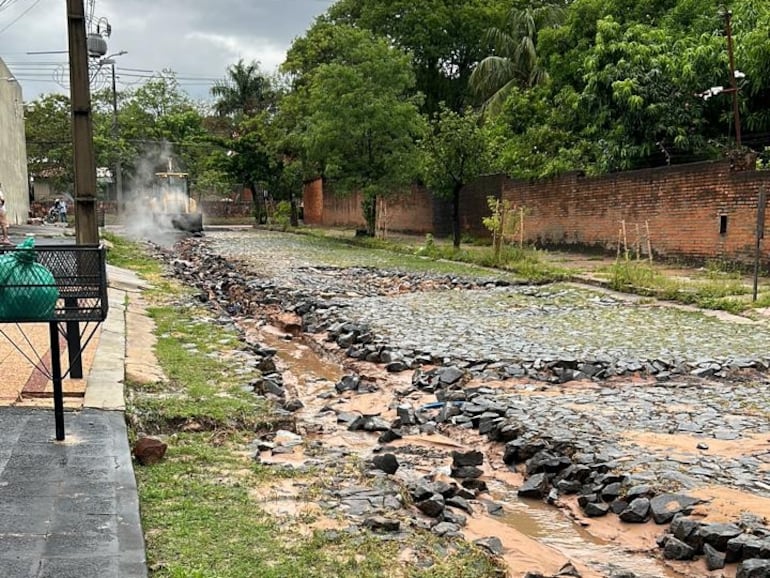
750,444
726,504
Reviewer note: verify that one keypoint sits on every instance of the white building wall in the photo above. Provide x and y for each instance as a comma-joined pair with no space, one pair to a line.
13,148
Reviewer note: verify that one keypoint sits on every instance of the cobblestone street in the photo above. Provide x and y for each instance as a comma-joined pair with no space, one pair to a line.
565,322
667,396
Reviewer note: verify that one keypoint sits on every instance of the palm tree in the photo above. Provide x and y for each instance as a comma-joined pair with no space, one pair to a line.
514,61
245,92
241,96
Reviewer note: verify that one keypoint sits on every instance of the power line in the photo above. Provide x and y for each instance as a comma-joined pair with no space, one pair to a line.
19,17
27,68
5,4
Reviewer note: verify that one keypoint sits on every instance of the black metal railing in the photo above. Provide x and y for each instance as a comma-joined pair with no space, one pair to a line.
30,278
62,285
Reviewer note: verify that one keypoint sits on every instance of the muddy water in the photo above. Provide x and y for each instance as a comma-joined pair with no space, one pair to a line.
551,527
536,536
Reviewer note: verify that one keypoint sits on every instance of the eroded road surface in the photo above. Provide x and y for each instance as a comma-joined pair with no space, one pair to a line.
566,429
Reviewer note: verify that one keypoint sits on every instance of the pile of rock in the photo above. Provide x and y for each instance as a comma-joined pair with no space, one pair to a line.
358,342
557,466
243,294
719,544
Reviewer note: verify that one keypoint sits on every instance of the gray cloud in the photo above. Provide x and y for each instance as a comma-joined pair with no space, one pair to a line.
196,38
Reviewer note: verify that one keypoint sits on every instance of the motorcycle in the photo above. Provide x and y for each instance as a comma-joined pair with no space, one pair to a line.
52,216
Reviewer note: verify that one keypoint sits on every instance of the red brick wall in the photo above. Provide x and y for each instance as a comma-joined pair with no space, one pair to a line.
411,213
474,206
342,210
408,213
681,204
313,202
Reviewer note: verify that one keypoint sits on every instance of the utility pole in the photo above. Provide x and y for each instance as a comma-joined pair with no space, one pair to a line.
118,168
86,226
733,81
116,132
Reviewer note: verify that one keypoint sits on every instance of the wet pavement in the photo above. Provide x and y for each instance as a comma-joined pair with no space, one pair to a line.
69,508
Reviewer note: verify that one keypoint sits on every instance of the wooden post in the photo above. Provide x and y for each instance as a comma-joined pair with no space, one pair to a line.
625,239
521,227
638,243
760,234
649,243
86,225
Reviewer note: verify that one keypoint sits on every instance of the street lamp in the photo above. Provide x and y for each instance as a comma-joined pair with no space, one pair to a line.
735,75
118,166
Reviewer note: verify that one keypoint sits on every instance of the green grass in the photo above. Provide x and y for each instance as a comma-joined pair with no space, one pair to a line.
130,255
716,290
201,520
202,387
441,257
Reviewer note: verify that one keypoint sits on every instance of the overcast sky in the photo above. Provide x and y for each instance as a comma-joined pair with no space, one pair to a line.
196,38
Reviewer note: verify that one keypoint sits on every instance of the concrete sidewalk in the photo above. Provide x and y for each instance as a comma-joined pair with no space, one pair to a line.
70,509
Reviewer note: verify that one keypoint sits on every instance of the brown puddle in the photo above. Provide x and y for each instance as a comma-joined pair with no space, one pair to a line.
284,500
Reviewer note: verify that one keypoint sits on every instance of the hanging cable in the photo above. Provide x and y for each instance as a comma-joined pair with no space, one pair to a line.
19,17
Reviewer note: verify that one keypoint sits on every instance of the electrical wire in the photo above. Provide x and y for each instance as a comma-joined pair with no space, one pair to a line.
5,4
19,17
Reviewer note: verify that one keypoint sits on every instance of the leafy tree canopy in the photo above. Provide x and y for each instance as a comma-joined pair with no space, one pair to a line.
444,37
455,151
49,140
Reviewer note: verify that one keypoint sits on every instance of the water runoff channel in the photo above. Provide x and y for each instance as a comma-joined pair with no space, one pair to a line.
529,530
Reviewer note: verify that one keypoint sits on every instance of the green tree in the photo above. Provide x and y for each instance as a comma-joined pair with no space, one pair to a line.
636,97
356,114
49,140
537,134
444,38
245,92
514,61
247,157
157,121
246,107
454,152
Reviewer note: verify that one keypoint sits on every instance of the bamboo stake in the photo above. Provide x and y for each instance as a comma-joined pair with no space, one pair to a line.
625,239
638,243
649,244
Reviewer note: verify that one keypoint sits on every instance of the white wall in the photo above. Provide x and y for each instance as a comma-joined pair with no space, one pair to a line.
13,148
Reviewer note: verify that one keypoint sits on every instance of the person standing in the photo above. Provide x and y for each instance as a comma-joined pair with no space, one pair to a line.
63,210
3,220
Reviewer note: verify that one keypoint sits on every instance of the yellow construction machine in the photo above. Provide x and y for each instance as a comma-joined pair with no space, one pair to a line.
170,202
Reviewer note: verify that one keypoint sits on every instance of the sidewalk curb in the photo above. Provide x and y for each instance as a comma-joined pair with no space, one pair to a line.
104,385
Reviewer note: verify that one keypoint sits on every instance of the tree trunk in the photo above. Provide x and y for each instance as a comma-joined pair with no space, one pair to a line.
255,199
294,211
456,215
370,214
